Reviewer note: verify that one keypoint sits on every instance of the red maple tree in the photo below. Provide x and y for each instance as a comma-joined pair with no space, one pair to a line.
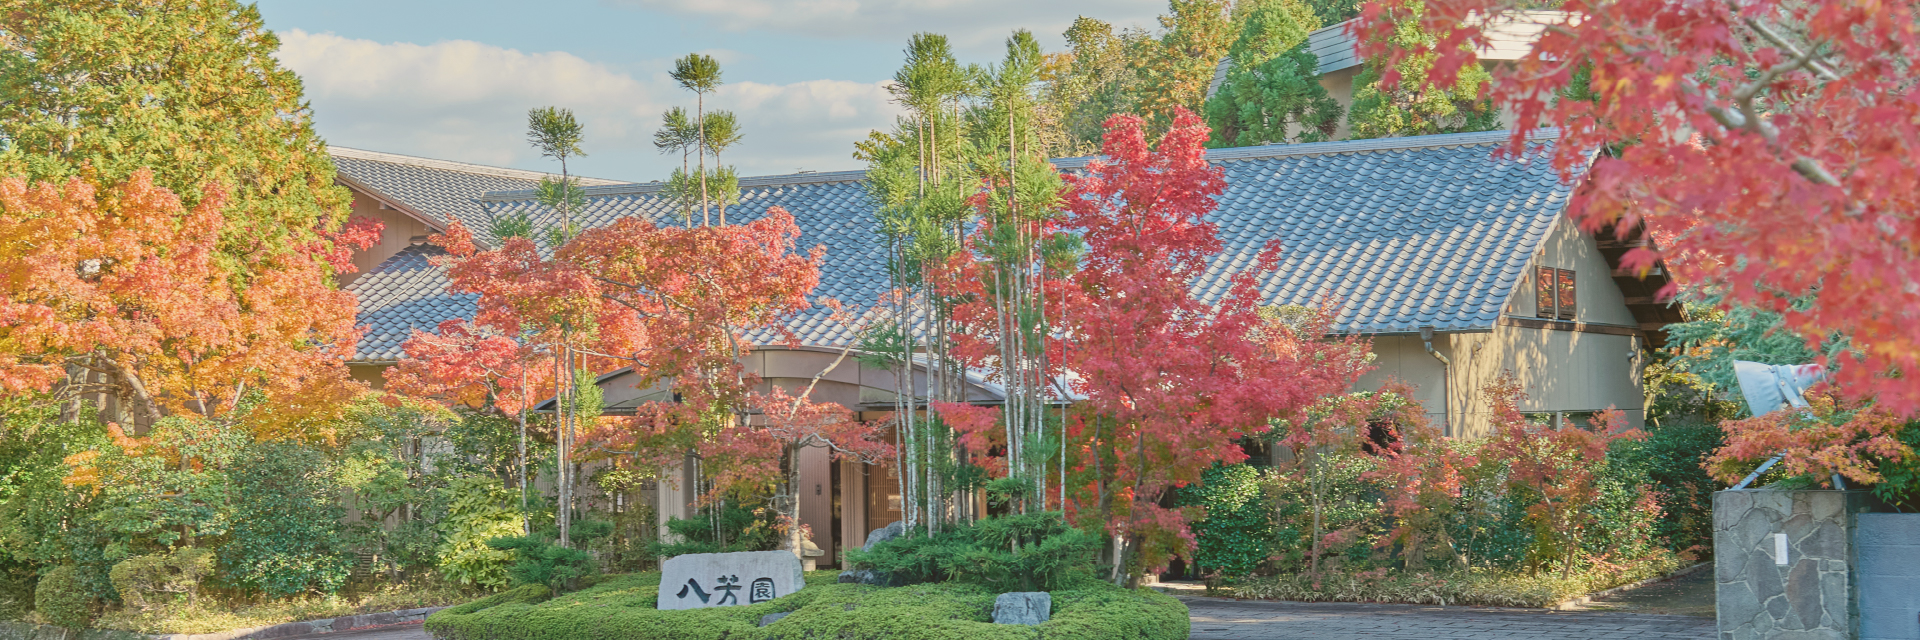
1771,139
1172,383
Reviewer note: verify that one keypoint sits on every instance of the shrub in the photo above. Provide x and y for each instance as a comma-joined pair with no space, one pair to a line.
139,577
1670,460
62,599
623,606
1030,552
285,538
16,589
478,510
540,562
1238,532
739,529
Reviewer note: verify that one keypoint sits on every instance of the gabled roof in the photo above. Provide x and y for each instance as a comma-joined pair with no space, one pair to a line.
1402,233
404,293
434,190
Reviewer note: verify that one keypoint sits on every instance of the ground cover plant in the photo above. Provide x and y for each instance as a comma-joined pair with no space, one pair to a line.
624,606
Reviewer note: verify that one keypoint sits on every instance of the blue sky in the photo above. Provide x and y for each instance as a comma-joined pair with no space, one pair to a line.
453,79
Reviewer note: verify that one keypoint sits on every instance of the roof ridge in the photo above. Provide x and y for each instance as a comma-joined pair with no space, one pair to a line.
642,188
1477,138
453,165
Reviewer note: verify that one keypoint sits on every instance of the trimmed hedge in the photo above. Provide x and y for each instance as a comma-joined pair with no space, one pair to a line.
623,607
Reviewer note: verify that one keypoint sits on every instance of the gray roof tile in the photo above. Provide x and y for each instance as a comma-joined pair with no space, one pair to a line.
1403,233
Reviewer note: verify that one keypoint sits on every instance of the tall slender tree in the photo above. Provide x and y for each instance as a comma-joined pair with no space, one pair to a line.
557,134
700,74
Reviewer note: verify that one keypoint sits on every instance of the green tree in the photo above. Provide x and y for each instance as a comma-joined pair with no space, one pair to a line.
701,75
1089,82
187,88
1404,109
1272,93
1178,69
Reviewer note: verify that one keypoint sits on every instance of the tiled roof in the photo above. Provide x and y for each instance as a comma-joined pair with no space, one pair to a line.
438,190
1401,232
404,293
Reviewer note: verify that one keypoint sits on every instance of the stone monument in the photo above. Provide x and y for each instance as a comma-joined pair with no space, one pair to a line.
700,580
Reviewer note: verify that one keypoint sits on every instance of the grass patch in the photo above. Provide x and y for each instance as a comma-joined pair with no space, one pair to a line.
211,616
623,606
1477,587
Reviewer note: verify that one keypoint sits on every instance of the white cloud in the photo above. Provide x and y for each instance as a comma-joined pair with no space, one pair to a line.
971,23
467,101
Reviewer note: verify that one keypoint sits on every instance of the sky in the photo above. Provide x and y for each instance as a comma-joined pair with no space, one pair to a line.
453,79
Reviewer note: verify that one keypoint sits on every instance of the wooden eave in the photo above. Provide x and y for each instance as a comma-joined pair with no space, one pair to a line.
1641,290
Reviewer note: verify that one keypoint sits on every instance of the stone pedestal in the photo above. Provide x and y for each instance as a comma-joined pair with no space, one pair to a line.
1784,564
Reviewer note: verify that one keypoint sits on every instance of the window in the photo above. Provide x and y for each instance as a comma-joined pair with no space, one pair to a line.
1567,299
1553,293
1543,295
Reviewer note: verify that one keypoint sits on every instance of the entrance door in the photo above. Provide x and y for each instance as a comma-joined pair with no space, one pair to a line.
883,495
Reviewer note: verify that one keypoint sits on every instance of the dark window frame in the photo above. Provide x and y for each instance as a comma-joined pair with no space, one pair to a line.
1555,294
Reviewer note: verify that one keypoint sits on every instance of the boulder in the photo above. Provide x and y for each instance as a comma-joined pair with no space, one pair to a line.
884,534
700,580
773,617
1023,607
867,576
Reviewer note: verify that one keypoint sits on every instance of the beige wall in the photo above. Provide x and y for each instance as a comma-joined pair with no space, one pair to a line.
399,229
1560,369
1598,300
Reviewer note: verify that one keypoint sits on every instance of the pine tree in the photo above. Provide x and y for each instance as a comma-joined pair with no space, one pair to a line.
1272,93
1408,108
188,89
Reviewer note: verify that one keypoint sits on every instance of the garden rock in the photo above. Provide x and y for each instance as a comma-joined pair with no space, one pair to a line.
884,534
701,580
773,617
867,576
1023,607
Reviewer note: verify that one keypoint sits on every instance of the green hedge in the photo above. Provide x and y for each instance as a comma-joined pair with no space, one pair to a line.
623,607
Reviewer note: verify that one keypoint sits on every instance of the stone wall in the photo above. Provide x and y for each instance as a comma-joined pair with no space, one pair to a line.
1810,594
1887,546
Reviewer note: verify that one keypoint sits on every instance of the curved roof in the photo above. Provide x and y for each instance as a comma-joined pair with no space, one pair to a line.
1400,233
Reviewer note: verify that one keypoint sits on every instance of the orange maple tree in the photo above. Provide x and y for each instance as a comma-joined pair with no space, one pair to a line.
1772,139
121,291
682,307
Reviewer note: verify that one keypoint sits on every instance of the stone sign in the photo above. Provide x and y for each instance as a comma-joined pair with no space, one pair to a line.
699,580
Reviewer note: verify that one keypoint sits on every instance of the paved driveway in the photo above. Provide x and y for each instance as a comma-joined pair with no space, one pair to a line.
1222,619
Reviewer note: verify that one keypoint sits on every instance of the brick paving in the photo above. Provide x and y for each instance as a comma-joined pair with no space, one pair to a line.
1222,619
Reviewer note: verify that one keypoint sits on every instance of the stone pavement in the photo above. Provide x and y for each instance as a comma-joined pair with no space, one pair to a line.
1224,619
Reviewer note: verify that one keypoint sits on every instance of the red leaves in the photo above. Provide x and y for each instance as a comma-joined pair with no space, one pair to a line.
1559,463
676,304
467,365
1174,382
1832,436
126,282
1812,190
